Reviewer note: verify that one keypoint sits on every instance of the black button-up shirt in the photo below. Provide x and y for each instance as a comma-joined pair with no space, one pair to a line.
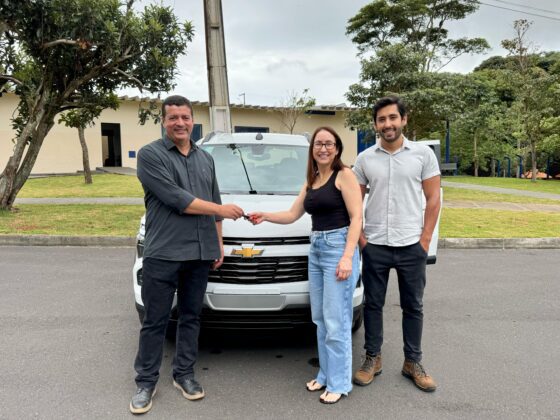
171,181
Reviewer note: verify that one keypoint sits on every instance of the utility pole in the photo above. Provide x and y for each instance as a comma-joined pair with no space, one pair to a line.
220,119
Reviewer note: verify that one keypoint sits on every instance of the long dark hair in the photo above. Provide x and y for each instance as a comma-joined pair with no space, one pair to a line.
337,165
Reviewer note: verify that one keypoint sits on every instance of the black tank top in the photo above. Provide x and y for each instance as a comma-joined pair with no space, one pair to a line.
326,206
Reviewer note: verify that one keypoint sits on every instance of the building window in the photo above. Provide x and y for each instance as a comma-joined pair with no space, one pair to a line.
366,138
319,112
196,132
249,129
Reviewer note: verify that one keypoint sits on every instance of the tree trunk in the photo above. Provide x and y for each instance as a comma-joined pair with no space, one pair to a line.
85,156
26,150
533,161
475,155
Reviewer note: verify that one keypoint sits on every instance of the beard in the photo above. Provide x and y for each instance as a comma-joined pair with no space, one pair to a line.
392,136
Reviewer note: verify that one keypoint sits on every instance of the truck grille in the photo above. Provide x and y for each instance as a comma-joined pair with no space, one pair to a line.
296,240
260,270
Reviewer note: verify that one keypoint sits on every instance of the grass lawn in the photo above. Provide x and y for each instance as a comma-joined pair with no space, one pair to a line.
541,185
115,220
72,220
104,185
451,194
485,223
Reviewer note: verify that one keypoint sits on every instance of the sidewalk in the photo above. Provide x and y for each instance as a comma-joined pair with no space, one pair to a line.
127,201
499,190
119,170
496,205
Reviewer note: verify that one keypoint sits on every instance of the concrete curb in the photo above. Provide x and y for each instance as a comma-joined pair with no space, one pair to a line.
127,241
59,240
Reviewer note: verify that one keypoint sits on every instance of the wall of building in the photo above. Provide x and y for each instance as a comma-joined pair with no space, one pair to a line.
61,151
7,106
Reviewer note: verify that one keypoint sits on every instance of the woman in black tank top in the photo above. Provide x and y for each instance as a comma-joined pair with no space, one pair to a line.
333,198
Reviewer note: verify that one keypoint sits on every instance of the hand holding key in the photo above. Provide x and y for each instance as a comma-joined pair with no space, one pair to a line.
256,217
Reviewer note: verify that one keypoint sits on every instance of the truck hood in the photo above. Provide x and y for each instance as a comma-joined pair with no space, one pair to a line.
242,228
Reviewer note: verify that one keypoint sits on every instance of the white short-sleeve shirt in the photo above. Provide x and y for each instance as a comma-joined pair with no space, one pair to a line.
393,213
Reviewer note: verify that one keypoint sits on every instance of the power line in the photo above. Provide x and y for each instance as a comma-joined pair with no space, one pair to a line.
527,7
520,11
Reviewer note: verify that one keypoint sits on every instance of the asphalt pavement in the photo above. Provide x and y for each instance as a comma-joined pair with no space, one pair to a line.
70,334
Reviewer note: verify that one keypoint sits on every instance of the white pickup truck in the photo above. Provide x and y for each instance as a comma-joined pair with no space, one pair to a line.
263,280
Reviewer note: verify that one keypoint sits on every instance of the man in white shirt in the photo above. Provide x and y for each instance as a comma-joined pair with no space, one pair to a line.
397,234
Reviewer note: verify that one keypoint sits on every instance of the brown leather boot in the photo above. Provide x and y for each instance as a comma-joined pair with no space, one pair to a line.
371,367
415,372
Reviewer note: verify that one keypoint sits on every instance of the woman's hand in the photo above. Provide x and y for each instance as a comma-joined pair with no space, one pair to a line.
344,268
257,217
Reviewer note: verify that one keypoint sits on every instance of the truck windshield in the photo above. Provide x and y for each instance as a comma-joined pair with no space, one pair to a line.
271,169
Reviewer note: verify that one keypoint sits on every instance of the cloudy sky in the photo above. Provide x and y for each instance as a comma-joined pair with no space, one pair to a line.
277,46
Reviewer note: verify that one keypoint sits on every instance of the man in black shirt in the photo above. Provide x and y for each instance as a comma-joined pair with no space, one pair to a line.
183,242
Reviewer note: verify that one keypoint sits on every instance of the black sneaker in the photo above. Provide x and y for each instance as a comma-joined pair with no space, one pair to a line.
142,400
190,388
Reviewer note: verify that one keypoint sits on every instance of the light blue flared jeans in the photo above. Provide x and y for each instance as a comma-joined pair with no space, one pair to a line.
331,308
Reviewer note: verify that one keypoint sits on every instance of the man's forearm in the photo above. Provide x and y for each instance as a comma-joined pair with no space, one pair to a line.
198,206
219,230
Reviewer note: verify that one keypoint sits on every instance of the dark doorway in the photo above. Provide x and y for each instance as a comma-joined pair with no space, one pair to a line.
196,132
111,144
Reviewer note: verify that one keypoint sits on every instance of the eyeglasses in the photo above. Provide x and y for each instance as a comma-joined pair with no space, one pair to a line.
329,145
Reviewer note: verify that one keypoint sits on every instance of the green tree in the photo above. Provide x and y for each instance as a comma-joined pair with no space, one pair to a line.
536,93
549,61
482,122
418,24
431,97
551,141
394,69
403,44
60,55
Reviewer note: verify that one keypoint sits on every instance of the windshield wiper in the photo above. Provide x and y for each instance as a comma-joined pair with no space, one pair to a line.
233,146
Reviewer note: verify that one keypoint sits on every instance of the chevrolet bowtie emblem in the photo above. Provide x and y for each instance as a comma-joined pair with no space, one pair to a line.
247,251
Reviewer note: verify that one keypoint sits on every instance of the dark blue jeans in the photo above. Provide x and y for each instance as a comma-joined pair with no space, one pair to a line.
410,265
160,281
